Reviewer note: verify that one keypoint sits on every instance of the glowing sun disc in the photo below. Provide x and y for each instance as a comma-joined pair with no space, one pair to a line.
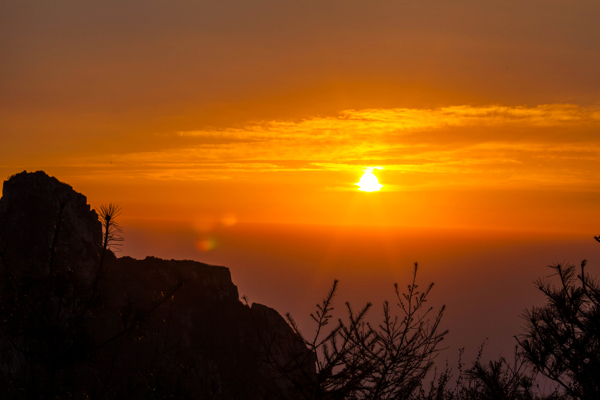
369,182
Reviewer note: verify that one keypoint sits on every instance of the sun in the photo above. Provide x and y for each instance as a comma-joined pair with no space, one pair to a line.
369,182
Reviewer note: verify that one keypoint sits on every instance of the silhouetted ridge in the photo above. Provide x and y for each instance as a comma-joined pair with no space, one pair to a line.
130,328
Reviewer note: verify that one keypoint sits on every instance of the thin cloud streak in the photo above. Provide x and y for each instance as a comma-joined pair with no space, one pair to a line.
352,123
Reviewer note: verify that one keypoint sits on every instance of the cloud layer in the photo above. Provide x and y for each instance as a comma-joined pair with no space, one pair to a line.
462,146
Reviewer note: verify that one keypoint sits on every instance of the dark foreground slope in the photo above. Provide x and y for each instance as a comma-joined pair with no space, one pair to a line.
152,328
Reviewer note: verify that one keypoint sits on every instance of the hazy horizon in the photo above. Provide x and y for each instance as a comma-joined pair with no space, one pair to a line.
484,277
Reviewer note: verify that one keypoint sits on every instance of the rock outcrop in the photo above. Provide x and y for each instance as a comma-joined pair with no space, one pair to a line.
44,222
131,328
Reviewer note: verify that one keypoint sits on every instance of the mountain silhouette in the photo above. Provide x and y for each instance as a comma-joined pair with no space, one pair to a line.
79,323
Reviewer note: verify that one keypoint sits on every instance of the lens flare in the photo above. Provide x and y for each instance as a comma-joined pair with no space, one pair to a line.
205,244
228,219
369,182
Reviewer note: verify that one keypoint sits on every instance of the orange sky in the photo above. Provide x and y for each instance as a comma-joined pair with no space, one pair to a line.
482,114
202,118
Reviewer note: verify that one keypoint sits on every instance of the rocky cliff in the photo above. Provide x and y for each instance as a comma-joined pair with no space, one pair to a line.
44,222
150,328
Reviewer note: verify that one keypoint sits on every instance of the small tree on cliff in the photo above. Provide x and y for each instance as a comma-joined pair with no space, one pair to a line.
563,337
111,238
111,229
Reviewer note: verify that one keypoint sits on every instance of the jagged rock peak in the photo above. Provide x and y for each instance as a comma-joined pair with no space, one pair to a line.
39,184
39,213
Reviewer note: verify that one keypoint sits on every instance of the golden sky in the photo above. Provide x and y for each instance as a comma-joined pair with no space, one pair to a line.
480,114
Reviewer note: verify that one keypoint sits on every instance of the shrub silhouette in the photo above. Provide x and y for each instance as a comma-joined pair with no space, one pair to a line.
563,337
495,380
356,360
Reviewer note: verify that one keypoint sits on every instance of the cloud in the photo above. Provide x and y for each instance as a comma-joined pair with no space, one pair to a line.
376,134
384,122
459,145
